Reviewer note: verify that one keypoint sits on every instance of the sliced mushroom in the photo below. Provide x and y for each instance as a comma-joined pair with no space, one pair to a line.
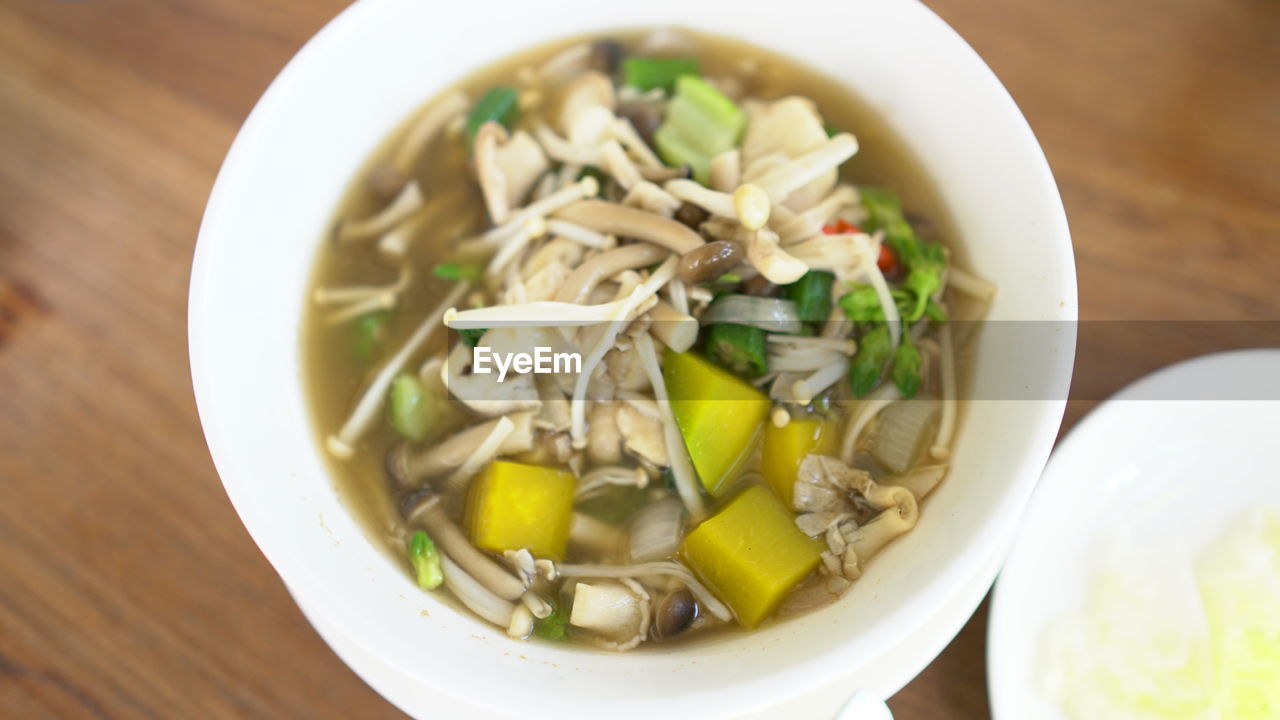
675,329
708,262
647,196
593,537
522,162
427,510
617,613
482,391
642,434
590,89
577,288
406,203
604,442
662,569
656,530
493,182
796,178
629,222
554,414
726,170
625,371
473,593
790,126
673,614
410,466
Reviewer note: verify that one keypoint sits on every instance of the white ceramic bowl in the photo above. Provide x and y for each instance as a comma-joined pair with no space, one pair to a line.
366,71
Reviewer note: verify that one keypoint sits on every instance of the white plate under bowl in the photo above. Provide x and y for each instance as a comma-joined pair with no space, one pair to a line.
1148,452
882,678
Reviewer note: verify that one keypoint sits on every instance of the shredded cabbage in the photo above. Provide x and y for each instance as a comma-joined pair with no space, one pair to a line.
1160,637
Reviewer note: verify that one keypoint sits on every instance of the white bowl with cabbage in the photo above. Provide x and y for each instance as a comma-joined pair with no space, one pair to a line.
367,71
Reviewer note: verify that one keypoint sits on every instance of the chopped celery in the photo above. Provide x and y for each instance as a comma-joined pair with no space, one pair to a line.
369,331
812,295
676,151
501,105
649,73
413,408
700,124
740,348
456,271
425,559
713,103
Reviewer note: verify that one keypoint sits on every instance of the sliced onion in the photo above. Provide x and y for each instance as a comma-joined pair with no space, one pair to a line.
902,428
768,314
656,530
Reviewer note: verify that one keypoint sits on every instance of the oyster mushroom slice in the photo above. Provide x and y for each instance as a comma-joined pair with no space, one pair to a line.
615,219
616,612
482,391
409,466
642,433
664,568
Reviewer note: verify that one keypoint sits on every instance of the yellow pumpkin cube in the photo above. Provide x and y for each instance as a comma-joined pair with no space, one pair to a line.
786,447
719,414
750,554
513,505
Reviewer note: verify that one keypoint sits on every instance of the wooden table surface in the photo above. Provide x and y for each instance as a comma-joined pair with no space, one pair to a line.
129,587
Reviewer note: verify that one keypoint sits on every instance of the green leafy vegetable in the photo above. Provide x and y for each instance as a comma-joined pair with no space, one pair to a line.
935,312
906,368
649,73
861,304
812,295
868,363
501,105
413,409
924,261
471,336
740,348
554,626
369,330
700,123
924,277
456,271
425,559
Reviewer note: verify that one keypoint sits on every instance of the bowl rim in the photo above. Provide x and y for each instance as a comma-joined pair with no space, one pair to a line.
1023,470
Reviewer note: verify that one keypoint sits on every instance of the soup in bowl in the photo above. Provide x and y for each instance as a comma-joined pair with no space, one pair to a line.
760,285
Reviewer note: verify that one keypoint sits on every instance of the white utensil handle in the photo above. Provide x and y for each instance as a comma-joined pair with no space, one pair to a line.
865,706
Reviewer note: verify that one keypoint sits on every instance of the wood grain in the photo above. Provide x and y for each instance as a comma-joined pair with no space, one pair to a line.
130,588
